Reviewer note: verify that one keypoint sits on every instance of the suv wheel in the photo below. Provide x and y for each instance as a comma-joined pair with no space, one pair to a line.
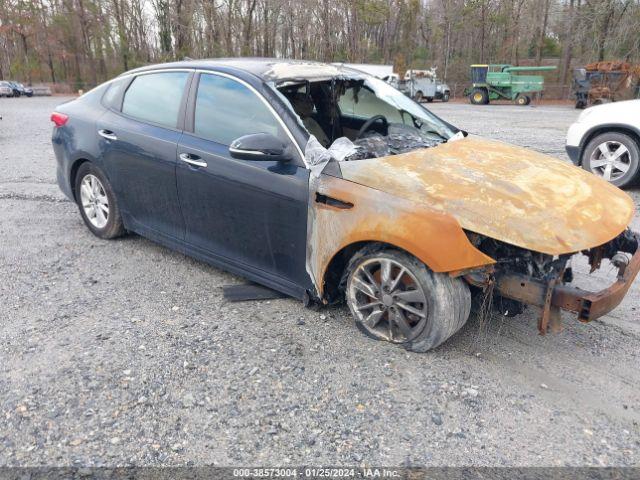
613,156
97,202
395,297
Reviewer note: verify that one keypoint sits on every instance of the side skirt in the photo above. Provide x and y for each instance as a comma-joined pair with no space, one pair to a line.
254,274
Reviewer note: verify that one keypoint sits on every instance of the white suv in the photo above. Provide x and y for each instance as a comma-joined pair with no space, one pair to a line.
606,141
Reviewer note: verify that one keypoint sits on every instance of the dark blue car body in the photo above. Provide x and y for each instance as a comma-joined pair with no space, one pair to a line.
248,217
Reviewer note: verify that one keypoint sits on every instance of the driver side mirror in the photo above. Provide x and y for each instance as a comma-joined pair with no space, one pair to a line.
260,147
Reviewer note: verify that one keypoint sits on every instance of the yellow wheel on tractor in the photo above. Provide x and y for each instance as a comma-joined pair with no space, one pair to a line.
523,100
479,96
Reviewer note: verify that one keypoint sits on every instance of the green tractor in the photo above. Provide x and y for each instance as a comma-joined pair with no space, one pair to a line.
500,81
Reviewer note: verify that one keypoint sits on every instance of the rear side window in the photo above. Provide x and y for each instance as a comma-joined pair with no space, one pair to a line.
156,97
225,110
113,95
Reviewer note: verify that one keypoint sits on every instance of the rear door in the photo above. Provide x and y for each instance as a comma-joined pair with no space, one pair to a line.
139,144
249,213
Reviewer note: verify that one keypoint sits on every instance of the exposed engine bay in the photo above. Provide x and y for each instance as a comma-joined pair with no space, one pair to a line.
522,277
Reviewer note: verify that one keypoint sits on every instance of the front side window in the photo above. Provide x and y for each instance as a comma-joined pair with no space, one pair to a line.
156,97
226,109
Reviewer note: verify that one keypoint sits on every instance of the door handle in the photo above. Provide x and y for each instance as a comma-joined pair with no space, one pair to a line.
192,160
108,134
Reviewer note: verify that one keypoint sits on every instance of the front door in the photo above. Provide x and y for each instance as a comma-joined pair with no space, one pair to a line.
250,213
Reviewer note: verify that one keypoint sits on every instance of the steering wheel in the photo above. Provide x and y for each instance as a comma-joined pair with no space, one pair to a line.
367,125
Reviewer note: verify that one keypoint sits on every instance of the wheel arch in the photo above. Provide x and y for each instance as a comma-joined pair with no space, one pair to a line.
73,172
333,278
608,128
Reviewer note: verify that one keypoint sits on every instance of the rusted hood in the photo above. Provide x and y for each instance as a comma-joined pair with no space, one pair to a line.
509,193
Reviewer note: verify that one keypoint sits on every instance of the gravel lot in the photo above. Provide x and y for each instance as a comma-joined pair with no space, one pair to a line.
125,353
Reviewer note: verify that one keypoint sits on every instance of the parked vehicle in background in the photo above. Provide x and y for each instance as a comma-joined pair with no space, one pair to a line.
27,91
420,85
17,90
325,183
604,82
426,85
605,140
5,89
500,81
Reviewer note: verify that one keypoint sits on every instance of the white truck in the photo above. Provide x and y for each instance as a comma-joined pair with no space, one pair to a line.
420,85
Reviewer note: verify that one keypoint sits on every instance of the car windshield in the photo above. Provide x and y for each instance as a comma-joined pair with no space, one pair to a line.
367,117
391,98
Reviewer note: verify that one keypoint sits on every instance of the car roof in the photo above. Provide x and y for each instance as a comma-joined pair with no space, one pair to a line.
267,69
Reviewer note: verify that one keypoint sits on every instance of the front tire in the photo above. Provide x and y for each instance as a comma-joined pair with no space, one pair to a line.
97,202
613,156
394,297
479,96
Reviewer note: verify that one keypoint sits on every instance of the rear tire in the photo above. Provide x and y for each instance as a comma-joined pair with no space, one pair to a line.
624,168
523,100
410,305
445,97
479,96
418,97
97,202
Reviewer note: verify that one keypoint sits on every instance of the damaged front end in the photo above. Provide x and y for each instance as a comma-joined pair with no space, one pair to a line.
521,277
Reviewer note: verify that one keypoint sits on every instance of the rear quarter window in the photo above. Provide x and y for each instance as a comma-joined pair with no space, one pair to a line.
112,97
156,97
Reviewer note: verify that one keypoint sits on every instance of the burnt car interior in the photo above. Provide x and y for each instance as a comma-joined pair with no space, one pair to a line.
379,120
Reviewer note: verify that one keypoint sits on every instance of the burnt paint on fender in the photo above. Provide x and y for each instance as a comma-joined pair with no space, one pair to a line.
433,237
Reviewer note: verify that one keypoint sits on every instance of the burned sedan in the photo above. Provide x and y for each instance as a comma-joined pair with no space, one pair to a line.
327,184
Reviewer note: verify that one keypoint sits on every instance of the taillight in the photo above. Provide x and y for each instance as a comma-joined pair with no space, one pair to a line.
60,119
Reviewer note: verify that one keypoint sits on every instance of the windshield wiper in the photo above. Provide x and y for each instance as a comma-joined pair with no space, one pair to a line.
438,134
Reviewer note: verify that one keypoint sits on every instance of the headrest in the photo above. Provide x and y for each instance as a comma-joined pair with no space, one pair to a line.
302,104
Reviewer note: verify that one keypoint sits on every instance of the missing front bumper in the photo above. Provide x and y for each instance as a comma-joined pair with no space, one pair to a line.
551,295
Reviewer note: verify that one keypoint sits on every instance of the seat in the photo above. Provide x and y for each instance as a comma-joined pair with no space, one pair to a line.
303,106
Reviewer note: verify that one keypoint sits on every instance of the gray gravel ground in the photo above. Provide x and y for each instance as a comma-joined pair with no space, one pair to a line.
123,352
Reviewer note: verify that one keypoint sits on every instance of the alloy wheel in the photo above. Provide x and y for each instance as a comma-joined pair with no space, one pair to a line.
94,201
387,300
610,160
